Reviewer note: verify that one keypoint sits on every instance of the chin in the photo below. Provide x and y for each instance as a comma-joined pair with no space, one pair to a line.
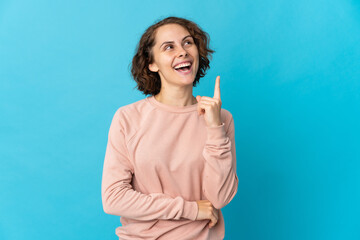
187,80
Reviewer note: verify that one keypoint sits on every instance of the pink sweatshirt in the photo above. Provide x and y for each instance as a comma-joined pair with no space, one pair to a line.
160,159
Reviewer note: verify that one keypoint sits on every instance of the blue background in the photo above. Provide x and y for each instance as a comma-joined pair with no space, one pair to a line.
290,75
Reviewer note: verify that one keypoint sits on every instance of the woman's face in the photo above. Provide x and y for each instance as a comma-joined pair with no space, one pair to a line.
174,45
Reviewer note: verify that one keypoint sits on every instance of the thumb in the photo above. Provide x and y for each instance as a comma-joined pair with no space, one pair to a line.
198,98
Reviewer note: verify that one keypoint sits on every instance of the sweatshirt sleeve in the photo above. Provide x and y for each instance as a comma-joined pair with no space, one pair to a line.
118,196
220,181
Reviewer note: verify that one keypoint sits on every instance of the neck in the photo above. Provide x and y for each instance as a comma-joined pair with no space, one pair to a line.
178,99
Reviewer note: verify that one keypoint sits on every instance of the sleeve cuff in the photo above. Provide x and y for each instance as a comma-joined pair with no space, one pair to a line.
216,133
190,210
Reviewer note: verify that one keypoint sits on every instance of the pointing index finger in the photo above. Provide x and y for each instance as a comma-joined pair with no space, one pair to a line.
217,88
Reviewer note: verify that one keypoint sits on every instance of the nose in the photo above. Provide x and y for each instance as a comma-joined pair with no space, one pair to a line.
182,52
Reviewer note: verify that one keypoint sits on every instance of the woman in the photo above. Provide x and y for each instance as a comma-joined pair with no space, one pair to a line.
170,162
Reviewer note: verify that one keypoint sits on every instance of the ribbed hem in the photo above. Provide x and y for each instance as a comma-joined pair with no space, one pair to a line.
216,133
171,108
190,210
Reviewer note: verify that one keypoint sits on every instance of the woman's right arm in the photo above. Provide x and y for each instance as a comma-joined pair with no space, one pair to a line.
118,196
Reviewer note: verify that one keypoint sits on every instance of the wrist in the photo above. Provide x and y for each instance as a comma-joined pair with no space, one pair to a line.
217,124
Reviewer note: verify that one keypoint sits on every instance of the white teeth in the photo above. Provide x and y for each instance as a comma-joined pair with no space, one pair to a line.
182,65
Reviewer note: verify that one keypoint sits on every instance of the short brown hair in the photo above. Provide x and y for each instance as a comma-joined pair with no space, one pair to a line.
149,82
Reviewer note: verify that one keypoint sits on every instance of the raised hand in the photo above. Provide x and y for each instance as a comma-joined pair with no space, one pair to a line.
211,107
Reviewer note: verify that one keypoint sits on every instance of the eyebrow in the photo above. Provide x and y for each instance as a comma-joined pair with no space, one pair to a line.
173,41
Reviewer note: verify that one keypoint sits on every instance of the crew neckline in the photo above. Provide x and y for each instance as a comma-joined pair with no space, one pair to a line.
172,108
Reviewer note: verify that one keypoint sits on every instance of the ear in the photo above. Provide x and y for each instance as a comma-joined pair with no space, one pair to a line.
153,67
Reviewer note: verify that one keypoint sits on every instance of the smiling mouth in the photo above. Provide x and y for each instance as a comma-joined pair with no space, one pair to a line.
184,69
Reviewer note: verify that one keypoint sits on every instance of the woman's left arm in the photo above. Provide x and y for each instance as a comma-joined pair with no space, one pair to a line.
220,181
